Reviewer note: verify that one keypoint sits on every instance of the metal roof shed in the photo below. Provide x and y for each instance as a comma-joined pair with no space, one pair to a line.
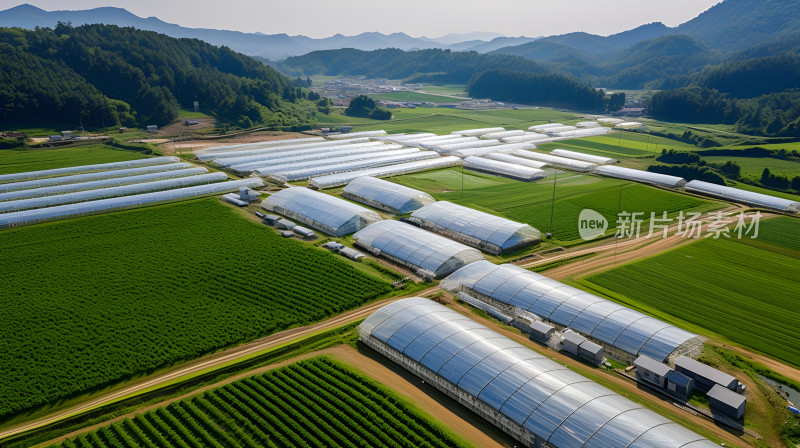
540,331
705,376
652,371
726,401
680,385
590,351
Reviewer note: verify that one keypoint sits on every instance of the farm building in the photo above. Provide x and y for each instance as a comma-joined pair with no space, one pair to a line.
578,345
727,402
528,396
333,180
680,385
329,214
705,376
285,224
624,333
426,253
385,195
540,331
746,197
652,371
598,160
487,232
505,169
647,177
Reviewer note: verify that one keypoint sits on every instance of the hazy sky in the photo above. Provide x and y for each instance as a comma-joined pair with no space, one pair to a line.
432,18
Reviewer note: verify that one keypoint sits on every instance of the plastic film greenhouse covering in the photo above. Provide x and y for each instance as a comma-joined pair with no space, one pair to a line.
487,232
481,151
502,134
450,147
423,251
297,141
506,169
557,162
273,149
629,125
69,188
587,124
535,399
313,154
579,133
290,153
300,174
558,129
450,141
478,131
526,137
277,166
743,196
610,323
86,169
647,177
77,178
542,127
386,195
334,180
599,160
357,134
110,192
25,217
324,212
508,158
433,138
400,138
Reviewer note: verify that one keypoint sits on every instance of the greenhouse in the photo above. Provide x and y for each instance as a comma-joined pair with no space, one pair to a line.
579,133
629,125
662,180
333,180
526,137
624,333
449,141
587,124
336,157
77,178
502,134
205,156
86,168
508,158
291,153
477,151
324,212
746,197
505,169
401,138
300,174
557,162
532,398
542,127
598,160
487,232
38,215
267,144
557,129
478,131
356,134
350,150
426,253
69,188
450,147
385,195
111,192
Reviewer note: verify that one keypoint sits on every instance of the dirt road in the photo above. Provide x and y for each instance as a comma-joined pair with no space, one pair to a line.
206,362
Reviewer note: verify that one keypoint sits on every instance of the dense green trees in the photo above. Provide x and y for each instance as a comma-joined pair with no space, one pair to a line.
108,76
366,107
532,88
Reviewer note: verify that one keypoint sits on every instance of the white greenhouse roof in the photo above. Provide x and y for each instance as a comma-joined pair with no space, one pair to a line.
417,248
603,320
746,197
540,127
508,158
86,168
333,180
540,396
299,153
587,124
502,134
478,131
449,141
580,133
610,120
599,160
103,183
254,151
386,195
629,125
647,177
497,167
266,144
357,134
286,165
474,227
400,138
481,151
450,147
343,151
25,217
324,212
99,175
299,174
555,161
533,137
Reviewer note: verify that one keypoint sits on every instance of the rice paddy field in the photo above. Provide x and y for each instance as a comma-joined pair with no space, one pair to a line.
414,97
93,301
754,166
743,290
312,403
21,160
532,202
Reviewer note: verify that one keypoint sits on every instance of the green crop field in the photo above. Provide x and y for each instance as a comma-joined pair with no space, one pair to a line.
754,166
413,97
448,89
312,403
21,160
93,301
531,202
744,290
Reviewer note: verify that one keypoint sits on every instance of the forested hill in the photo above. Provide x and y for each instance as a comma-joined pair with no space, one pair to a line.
103,75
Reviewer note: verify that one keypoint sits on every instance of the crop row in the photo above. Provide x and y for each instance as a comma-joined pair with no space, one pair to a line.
313,403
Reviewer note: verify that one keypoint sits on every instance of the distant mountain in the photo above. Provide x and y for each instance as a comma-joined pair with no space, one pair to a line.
453,38
492,45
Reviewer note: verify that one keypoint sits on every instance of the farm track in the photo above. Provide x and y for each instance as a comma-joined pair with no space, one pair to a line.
206,362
